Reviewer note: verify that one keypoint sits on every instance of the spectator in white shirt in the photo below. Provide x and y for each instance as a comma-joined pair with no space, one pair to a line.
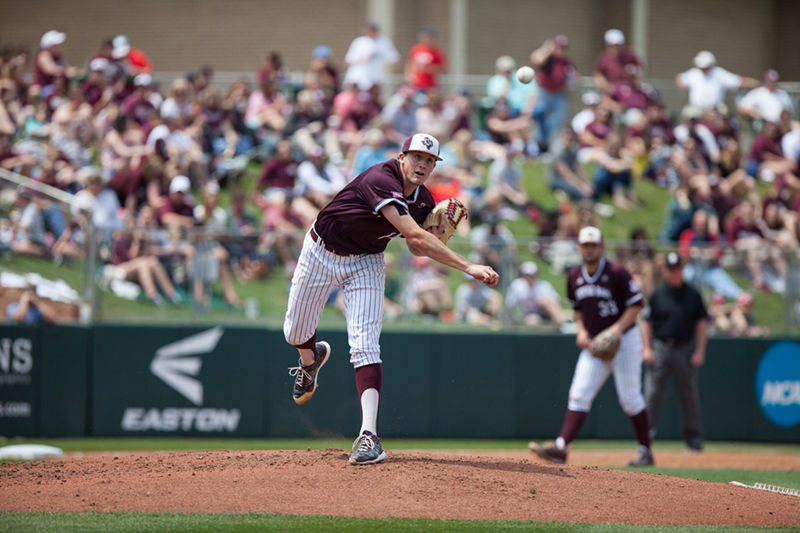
707,83
367,58
532,300
766,102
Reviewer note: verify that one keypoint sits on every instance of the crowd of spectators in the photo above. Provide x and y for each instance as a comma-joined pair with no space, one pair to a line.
149,165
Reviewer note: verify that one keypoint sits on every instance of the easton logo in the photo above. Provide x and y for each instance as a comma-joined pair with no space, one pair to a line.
174,368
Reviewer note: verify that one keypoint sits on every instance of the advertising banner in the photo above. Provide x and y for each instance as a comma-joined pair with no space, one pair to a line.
178,381
18,383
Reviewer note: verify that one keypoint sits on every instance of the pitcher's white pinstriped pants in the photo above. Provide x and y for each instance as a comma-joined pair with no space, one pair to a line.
591,373
361,279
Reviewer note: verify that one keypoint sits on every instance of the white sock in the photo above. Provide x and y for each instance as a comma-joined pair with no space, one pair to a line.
561,443
369,411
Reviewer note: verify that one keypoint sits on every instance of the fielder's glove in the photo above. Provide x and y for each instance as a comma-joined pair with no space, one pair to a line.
453,212
605,345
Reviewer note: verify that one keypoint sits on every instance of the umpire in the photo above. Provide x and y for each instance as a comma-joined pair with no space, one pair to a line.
674,332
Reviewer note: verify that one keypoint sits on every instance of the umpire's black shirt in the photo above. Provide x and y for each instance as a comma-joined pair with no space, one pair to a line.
674,312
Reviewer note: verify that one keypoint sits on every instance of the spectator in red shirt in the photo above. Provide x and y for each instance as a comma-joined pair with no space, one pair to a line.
554,70
610,65
425,61
132,60
700,244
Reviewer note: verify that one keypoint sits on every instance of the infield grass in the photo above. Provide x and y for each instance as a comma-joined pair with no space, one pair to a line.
191,523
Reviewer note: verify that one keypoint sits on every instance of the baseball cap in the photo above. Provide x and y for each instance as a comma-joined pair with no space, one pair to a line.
673,260
98,63
590,234
180,184
51,38
322,52
614,36
505,63
121,47
528,268
422,142
704,59
590,98
771,75
212,187
143,80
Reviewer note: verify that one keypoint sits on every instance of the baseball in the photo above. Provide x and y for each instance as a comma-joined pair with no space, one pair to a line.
525,74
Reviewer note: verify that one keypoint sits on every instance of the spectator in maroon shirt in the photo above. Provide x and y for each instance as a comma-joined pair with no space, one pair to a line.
177,210
325,72
279,171
554,70
721,199
49,64
137,105
748,234
96,89
610,65
628,93
766,160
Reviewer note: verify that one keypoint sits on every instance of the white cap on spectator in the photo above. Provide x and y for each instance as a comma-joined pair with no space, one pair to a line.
143,80
121,47
590,234
691,112
614,36
180,184
52,38
704,59
632,116
505,63
528,268
98,63
590,98
212,187
422,142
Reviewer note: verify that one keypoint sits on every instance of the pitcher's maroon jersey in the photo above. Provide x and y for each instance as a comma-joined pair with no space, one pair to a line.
602,298
352,222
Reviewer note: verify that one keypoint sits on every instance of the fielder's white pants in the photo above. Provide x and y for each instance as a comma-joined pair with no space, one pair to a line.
591,373
361,279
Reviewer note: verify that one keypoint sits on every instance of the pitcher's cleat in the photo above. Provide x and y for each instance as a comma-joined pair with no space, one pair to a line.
306,382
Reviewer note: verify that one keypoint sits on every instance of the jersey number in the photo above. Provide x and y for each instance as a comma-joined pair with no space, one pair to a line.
607,308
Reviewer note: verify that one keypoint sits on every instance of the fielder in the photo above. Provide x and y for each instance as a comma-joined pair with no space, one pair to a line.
344,248
607,303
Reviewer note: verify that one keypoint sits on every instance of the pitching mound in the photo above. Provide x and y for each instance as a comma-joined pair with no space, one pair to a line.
408,484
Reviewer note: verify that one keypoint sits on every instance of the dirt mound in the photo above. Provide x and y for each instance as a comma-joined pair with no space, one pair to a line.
408,484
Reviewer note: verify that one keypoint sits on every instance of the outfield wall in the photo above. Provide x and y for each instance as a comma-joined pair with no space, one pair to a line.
214,381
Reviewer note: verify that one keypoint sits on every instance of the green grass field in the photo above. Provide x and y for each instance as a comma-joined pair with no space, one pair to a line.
187,523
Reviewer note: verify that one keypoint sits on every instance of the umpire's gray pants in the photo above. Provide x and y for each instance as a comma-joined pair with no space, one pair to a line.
674,360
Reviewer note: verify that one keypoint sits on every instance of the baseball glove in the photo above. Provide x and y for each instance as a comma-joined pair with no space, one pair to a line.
605,345
453,212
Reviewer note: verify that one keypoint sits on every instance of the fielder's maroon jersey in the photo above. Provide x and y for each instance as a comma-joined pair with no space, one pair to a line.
602,298
352,222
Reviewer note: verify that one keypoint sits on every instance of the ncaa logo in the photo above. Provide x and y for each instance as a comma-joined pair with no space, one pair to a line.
778,384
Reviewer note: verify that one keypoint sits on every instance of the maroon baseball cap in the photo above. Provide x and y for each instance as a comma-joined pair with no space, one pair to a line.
422,142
